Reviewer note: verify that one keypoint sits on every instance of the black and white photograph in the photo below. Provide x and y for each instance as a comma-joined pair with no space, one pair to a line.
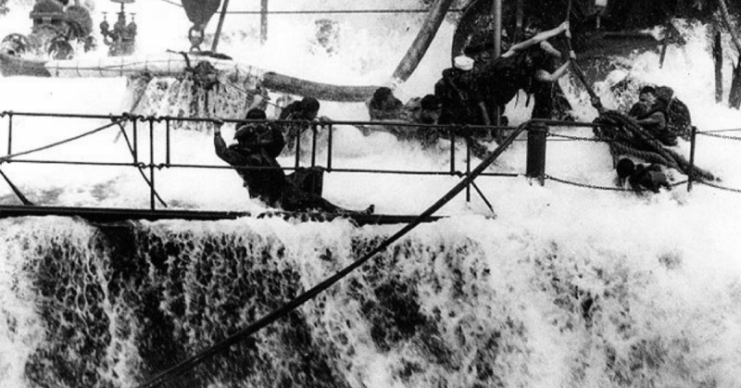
370,193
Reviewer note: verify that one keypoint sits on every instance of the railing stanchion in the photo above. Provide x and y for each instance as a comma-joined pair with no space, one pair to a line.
167,141
693,140
10,133
297,128
151,163
537,133
135,138
313,144
452,149
468,161
329,148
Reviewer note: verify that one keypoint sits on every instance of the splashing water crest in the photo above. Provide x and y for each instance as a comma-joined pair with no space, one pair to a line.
566,287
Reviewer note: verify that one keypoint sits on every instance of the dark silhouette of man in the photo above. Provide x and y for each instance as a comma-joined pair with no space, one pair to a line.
254,155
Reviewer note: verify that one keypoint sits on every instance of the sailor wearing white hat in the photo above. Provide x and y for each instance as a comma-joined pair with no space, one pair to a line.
463,62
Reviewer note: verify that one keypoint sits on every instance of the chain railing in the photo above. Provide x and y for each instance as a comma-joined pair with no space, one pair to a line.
693,145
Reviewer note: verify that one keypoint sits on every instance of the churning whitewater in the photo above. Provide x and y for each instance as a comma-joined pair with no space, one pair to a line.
563,286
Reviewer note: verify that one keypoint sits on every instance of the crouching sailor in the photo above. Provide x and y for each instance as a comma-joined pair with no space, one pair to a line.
254,157
641,177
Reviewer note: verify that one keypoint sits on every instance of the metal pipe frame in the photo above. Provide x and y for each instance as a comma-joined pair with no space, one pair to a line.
329,126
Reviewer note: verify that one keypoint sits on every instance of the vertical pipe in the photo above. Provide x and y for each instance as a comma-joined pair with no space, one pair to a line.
152,204
135,139
536,147
264,22
452,150
220,25
693,143
468,166
329,148
298,143
10,133
718,61
167,140
496,14
313,144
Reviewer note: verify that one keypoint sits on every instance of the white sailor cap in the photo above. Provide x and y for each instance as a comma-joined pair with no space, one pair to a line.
463,62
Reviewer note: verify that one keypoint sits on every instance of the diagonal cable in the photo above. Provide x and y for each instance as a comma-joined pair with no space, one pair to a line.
223,345
17,191
52,145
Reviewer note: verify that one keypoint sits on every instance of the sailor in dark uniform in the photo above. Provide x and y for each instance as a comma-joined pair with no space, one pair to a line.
650,113
257,146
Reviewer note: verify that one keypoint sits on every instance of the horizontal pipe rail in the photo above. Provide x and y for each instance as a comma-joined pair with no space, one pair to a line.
454,132
78,163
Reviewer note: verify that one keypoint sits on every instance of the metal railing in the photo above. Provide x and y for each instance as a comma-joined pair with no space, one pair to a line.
538,136
164,123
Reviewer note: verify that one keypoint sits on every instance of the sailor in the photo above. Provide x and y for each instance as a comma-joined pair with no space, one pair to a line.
641,177
425,110
522,65
459,95
678,117
384,105
257,145
550,100
305,110
650,113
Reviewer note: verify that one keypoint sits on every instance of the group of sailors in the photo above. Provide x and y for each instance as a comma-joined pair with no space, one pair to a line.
472,92
476,89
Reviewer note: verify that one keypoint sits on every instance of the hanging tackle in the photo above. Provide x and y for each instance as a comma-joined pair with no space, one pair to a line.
199,12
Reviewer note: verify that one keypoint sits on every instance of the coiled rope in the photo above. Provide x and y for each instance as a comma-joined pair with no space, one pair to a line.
626,136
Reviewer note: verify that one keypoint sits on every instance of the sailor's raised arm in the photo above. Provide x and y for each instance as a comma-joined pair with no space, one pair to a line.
550,50
219,143
540,37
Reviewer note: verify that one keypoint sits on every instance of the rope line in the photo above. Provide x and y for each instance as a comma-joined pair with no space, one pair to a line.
584,185
576,138
596,140
720,187
722,130
704,133
604,188
6,158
